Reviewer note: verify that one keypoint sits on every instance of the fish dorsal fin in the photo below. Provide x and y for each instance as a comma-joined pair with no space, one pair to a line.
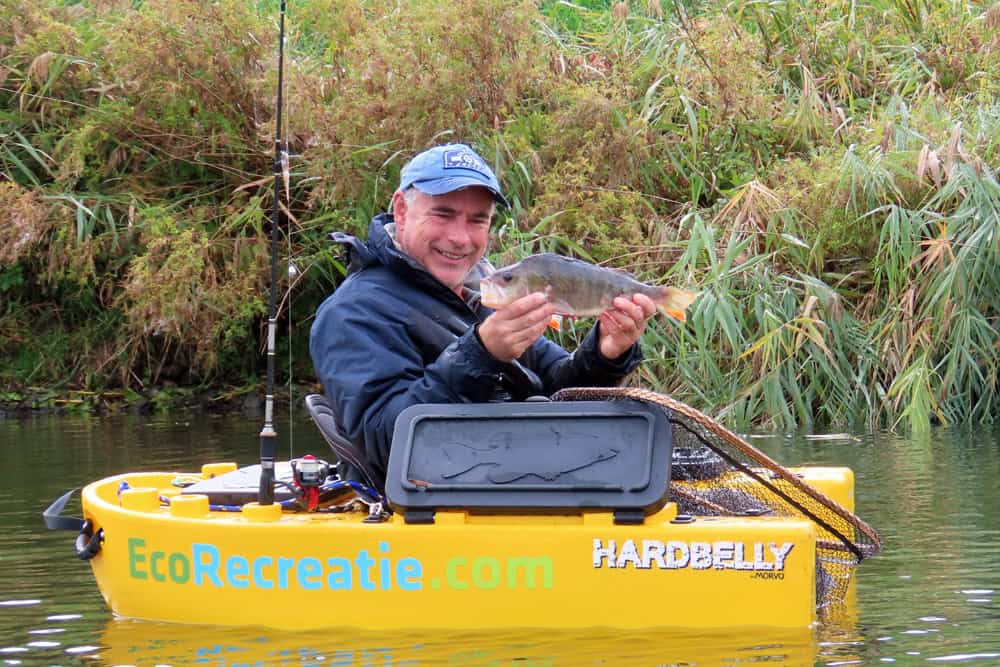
622,272
546,257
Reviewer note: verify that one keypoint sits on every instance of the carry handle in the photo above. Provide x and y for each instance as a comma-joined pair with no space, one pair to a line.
88,542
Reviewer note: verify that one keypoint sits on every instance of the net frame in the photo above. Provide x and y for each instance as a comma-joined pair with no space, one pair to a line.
747,482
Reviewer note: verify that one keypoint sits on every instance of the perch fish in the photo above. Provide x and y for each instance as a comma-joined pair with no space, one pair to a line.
577,288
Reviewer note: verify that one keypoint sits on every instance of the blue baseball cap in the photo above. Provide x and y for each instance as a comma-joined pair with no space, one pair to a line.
450,167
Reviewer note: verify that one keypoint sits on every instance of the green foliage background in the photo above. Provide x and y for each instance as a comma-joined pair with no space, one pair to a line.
823,173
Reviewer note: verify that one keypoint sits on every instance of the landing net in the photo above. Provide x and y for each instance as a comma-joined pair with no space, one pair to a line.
717,473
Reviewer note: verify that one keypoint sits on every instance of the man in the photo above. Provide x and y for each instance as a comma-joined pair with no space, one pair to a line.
404,329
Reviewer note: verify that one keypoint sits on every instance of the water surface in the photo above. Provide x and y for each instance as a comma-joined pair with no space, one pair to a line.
929,598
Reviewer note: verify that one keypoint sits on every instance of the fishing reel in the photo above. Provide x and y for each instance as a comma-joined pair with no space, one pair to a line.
310,471
317,486
310,474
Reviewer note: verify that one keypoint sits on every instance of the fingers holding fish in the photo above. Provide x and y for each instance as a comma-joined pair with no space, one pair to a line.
512,329
616,323
623,324
639,308
526,306
628,316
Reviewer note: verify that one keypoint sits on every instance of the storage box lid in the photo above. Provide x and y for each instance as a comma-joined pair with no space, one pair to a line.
545,455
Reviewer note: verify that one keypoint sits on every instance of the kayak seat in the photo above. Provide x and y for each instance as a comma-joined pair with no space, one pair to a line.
347,452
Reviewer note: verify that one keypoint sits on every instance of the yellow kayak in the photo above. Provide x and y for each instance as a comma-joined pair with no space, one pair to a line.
446,552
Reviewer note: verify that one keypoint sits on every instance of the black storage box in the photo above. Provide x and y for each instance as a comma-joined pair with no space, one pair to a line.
534,455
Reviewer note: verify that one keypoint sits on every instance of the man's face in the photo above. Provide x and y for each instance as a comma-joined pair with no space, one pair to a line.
446,233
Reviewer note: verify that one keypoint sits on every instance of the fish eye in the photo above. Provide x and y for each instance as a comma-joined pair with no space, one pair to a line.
507,277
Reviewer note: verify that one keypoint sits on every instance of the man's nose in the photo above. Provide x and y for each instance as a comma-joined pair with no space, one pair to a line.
458,232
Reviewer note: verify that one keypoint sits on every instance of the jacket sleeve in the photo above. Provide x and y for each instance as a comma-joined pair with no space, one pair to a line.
372,370
585,367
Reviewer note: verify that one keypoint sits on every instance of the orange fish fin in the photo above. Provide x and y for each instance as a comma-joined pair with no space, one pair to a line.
678,315
674,302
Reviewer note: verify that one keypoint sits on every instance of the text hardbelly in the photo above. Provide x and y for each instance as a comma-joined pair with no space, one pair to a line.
676,554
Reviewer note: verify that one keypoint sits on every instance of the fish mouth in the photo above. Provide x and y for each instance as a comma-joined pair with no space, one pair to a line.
490,294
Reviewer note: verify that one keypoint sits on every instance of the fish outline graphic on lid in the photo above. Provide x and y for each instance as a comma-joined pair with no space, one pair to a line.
507,460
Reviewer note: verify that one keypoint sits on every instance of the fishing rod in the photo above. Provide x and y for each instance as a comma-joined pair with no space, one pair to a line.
268,436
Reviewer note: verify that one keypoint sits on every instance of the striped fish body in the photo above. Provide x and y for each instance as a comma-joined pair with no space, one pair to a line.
577,288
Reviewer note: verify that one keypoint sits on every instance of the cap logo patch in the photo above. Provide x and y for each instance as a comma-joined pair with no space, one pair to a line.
463,159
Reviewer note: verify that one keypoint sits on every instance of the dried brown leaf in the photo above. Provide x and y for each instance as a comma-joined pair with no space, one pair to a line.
954,149
922,162
934,165
38,71
992,17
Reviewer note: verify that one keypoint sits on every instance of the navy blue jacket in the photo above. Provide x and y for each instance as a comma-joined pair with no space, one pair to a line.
392,336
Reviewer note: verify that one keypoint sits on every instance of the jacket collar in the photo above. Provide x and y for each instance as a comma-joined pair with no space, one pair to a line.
381,249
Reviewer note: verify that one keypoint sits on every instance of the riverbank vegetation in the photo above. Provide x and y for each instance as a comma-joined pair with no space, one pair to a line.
823,174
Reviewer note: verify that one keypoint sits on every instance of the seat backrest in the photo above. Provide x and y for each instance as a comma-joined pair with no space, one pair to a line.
323,416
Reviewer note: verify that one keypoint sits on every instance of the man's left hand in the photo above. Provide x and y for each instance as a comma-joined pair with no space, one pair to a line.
623,324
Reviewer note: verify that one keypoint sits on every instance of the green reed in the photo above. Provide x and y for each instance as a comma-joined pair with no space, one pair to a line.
824,175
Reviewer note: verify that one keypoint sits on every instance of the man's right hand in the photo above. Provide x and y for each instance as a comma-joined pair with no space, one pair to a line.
511,330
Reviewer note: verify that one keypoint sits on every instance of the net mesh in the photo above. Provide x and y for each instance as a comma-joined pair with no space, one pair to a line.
717,473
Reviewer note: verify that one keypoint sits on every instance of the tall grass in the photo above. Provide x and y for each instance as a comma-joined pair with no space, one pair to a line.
823,174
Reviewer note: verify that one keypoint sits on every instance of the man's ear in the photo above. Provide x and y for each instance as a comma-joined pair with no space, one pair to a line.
399,209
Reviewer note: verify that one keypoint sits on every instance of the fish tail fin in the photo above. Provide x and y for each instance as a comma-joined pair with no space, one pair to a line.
673,302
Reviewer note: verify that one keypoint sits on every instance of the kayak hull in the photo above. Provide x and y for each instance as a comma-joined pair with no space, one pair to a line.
184,562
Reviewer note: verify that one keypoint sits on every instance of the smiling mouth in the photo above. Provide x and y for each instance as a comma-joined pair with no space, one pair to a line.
450,255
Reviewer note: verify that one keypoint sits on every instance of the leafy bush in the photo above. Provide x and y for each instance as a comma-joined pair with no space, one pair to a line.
824,174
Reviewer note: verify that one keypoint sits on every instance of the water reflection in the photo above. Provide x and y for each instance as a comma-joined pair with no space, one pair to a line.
930,597
136,642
